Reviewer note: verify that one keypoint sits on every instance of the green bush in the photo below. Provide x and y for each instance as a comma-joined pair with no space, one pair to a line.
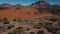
9,27
19,30
19,20
58,32
28,29
28,13
10,33
14,20
38,26
2,29
48,24
12,25
53,19
50,27
35,13
58,23
17,8
32,32
40,32
6,21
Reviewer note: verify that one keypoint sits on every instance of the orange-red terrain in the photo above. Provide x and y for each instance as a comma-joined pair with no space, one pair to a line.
21,12
24,12
39,18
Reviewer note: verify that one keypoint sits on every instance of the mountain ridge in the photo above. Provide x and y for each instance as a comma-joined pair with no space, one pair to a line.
37,3
43,8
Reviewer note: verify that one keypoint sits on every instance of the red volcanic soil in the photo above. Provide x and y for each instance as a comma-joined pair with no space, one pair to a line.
24,12
21,12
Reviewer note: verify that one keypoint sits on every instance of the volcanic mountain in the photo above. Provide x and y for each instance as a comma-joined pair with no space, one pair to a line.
40,4
46,7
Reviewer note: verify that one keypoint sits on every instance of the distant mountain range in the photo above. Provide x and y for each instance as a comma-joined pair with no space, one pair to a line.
6,6
40,5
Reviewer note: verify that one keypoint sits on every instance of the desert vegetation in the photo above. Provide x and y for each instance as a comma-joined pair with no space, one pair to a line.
34,19
40,32
52,25
39,25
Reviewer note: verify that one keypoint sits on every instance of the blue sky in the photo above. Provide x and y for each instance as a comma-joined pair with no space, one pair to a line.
27,2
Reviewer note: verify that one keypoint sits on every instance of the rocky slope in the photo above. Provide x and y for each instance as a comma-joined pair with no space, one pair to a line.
41,4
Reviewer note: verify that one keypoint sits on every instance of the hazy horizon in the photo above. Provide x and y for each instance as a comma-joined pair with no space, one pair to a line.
28,2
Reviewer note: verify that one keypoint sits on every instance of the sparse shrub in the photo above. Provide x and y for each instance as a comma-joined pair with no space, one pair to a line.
59,23
41,10
53,19
38,26
19,30
35,13
10,26
47,24
17,8
54,31
28,29
6,21
40,32
58,28
50,27
32,32
26,20
10,33
58,32
28,13
19,20
2,29
14,20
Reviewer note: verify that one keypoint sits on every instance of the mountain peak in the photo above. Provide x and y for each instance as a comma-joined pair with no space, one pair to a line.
17,5
40,4
5,5
41,1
